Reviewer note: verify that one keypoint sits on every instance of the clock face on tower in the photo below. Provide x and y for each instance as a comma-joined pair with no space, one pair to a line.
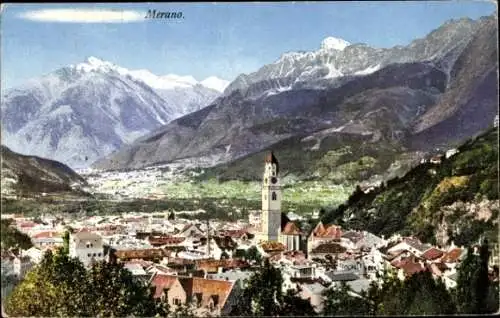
274,180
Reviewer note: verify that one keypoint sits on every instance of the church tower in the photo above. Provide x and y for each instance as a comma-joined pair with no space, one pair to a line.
271,200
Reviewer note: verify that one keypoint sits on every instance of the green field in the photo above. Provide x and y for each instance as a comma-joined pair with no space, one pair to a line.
223,200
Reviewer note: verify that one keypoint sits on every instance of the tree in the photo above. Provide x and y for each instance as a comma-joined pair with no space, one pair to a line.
294,305
253,254
263,294
420,294
61,286
240,253
182,311
475,294
56,287
115,292
12,237
338,301
66,242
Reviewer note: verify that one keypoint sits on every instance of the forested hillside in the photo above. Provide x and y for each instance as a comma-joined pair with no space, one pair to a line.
455,200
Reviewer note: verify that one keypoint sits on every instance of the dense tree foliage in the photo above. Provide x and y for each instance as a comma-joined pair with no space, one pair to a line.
60,286
421,293
338,301
56,287
475,294
414,203
12,237
252,254
263,296
65,248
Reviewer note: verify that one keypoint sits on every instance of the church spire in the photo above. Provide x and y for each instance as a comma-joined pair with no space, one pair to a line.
270,158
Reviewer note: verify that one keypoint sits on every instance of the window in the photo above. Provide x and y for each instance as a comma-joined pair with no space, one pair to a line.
274,196
88,255
94,255
177,301
99,254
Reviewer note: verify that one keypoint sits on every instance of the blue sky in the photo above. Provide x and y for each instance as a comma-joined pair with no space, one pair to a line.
224,39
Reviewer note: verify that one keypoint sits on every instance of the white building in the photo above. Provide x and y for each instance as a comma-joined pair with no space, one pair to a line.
86,246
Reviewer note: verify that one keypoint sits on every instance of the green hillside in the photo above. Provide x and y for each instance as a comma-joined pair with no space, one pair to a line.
454,200
339,158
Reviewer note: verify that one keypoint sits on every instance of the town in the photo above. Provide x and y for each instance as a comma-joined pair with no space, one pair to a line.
211,260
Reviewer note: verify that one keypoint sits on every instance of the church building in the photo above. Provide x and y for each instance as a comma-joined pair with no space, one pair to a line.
275,225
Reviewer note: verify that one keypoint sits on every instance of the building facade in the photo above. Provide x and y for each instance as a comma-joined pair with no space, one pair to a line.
271,201
87,247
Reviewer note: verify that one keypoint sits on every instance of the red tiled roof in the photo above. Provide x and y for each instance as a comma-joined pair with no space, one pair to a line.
47,234
291,229
206,290
410,268
272,246
452,256
165,240
432,254
161,282
330,231
233,233
318,229
187,226
140,253
26,224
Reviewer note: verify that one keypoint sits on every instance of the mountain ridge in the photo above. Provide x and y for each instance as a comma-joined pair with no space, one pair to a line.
31,175
80,113
384,104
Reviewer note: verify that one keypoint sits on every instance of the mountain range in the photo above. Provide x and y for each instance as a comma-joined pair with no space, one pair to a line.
83,112
380,107
379,103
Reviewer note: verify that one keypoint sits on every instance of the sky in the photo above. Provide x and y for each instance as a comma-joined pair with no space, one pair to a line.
211,39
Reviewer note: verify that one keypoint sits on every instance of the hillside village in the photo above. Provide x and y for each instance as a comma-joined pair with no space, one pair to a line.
210,260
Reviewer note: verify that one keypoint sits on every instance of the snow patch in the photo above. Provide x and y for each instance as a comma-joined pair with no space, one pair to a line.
368,70
169,81
216,83
332,43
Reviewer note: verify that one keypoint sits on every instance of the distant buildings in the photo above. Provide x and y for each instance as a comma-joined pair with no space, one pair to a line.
87,247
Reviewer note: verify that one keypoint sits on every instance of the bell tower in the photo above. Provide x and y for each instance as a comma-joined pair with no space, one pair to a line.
271,200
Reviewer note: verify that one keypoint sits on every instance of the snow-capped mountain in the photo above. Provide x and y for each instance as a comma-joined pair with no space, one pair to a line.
428,94
338,60
82,112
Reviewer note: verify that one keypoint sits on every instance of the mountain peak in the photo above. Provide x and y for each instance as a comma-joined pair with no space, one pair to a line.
93,63
96,61
216,83
332,43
